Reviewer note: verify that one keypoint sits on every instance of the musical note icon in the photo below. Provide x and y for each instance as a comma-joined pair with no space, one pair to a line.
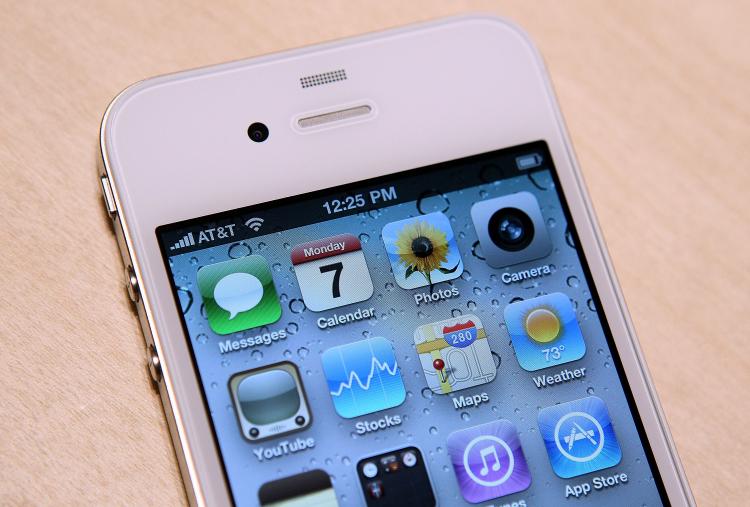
488,461
486,452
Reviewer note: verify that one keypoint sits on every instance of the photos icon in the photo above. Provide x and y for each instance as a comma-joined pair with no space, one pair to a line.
422,250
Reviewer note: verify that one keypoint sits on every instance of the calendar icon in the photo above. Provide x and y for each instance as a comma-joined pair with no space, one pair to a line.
332,272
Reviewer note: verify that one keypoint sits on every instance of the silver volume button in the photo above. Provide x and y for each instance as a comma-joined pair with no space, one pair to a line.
109,198
131,283
154,364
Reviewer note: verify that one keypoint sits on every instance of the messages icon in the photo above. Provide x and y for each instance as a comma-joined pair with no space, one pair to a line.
239,294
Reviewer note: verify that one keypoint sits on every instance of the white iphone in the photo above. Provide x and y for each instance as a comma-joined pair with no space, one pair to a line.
368,274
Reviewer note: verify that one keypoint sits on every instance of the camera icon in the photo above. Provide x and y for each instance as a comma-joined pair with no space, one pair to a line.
511,229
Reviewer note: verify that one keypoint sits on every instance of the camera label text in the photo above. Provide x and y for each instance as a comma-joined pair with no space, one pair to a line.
520,276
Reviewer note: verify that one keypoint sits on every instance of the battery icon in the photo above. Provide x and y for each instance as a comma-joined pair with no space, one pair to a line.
530,161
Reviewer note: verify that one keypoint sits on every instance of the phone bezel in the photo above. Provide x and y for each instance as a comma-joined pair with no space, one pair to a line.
499,97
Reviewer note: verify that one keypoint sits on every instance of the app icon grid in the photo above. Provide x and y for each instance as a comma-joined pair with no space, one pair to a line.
396,317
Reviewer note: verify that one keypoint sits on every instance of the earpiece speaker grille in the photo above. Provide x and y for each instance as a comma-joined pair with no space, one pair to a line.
324,78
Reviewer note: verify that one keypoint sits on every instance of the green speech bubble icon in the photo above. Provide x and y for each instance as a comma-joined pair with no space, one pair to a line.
239,294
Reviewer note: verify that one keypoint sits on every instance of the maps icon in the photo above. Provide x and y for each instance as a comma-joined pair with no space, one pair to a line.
454,354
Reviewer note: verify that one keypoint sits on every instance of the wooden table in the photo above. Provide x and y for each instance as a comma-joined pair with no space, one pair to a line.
655,96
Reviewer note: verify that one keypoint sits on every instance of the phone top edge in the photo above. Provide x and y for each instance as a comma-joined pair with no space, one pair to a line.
134,88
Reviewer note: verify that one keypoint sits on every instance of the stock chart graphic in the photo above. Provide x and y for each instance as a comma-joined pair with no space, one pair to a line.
363,377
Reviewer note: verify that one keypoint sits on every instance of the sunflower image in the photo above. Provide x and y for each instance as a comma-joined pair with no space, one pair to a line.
423,248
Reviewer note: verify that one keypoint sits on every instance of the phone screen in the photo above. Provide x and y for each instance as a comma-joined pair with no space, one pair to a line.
432,337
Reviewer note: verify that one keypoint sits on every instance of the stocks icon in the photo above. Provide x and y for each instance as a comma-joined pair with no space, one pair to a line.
363,377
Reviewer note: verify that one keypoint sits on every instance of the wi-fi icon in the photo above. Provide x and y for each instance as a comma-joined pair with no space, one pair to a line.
254,223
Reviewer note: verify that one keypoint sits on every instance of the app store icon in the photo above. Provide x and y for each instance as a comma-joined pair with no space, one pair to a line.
579,437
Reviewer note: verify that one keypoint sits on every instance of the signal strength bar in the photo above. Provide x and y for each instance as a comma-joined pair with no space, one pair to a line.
187,240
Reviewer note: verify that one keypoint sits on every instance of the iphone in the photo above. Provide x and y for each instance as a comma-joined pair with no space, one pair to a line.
368,274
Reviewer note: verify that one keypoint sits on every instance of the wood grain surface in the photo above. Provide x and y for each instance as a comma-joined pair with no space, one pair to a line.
656,99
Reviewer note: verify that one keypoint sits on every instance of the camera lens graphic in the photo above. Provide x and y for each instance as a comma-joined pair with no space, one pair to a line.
511,229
